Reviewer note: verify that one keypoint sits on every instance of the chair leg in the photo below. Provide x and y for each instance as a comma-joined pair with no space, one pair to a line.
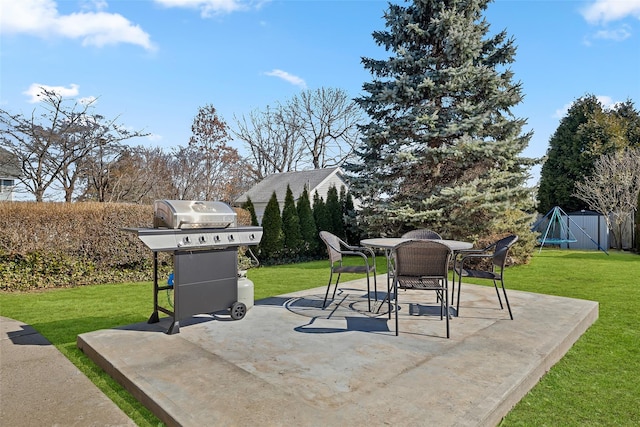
446,305
326,294
395,291
369,292
336,288
458,302
504,291
375,288
495,285
453,288
389,285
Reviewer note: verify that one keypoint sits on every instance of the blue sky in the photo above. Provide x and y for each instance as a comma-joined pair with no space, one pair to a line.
153,63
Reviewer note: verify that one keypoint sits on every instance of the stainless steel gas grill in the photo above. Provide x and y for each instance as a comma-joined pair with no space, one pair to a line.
203,237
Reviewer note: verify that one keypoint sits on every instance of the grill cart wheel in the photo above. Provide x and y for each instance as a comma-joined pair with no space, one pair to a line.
238,310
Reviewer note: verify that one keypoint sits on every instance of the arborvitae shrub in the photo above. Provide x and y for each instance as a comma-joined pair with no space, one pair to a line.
272,242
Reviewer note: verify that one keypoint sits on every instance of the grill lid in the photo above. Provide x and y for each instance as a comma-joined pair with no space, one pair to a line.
192,214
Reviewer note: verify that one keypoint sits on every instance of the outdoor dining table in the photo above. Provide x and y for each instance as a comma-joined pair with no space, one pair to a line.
389,243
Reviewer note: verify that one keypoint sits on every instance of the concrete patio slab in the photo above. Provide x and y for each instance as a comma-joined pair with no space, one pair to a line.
291,362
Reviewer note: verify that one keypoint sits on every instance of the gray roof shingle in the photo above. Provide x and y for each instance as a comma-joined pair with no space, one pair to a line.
8,165
262,191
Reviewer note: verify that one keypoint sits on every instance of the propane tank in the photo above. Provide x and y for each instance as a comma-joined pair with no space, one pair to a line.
245,289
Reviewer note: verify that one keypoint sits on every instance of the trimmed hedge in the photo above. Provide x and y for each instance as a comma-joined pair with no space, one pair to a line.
45,245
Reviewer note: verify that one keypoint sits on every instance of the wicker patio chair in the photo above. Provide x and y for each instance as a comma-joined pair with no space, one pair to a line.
498,253
337,248
423,265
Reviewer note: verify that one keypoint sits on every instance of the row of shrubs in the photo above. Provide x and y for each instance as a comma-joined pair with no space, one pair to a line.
45,245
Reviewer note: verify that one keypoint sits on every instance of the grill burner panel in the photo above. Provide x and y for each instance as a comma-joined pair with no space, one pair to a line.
158,239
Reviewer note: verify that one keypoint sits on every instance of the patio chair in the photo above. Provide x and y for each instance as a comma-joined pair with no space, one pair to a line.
497,252
421,233
337,248
423,265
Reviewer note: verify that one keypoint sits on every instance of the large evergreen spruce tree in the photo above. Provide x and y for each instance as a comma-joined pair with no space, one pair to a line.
308,229
349,217
291,225
272,235
442,148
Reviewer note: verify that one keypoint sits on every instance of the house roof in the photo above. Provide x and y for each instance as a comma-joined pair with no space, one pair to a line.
8,164
262,191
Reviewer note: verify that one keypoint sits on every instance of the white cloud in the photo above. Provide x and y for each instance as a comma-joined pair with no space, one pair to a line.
603,11
36,89
619,34
294,80
154,137
606,101
88,100
97,28
210,8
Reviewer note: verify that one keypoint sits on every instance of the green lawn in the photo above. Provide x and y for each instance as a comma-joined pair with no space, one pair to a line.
594,384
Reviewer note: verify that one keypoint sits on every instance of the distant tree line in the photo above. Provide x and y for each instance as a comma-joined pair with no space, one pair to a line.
593,162
293,234
69,148
64,147
587,132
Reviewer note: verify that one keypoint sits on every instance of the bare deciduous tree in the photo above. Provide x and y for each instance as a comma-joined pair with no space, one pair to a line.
328,121
273,139
208,169
136,175
50,147
613,189
315,129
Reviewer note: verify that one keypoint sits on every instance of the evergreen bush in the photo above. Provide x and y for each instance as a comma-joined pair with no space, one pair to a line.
272,243
322,219
291,226
308,230
248,206
334,210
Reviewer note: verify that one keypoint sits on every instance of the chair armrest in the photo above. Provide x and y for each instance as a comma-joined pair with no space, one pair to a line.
360,249
470,251
370,262
365,249
472,256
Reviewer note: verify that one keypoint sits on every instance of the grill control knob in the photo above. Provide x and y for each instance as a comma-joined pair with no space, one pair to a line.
202,239
231,239
252,236
186,240
216,238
